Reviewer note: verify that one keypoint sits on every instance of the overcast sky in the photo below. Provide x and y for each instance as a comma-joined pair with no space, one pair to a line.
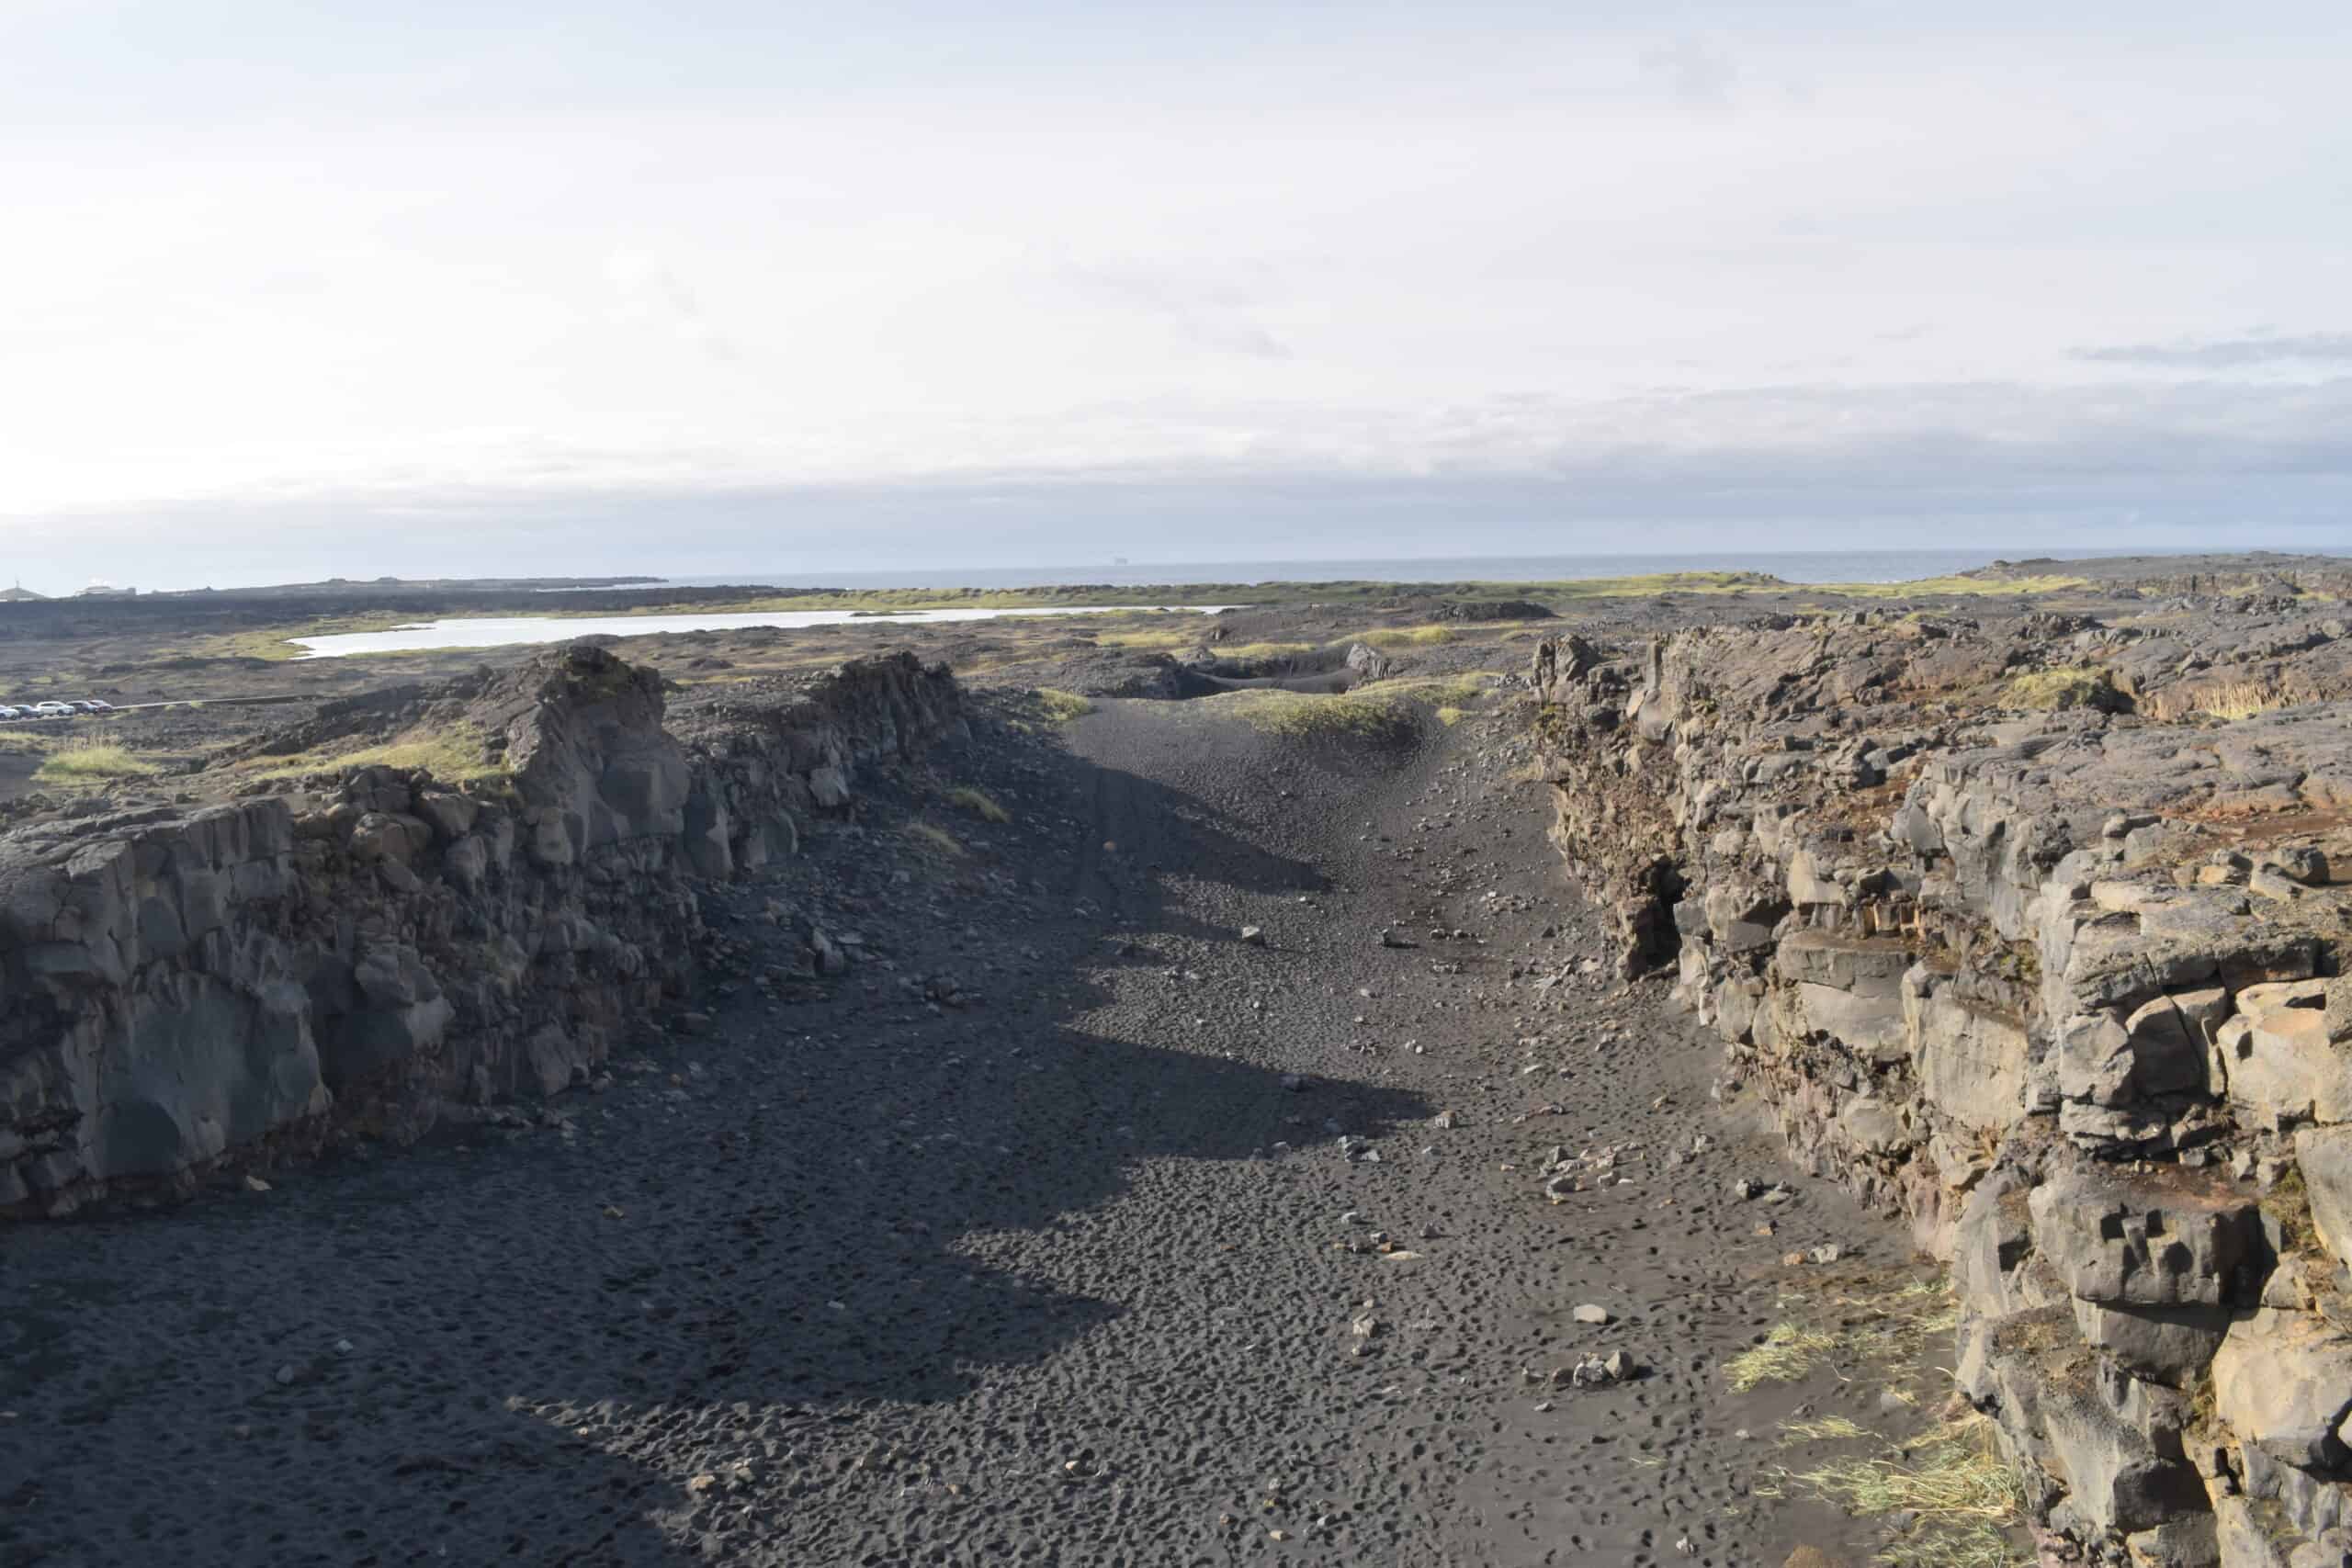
297,288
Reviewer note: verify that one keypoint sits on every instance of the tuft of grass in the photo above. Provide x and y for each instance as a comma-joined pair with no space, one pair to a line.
1829,1429
979,804
2076,686
2230,700
1788,1353
1963,1492
1276,711
94,759
938,838
1062,707
455,755
1450,716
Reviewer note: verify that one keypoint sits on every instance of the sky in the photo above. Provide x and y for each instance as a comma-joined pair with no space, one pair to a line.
290,290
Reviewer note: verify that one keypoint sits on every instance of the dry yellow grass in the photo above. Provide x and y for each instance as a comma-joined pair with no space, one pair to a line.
1962,1496
2077,687
1972,587
1405,636
2217,699
938,838
454,755
1788,1353
1062,707
979,804
94,759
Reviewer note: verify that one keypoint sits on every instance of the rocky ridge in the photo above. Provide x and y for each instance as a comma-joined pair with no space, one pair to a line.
2032,928
364,949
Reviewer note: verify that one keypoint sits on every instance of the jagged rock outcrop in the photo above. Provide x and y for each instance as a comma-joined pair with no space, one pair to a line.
2060,979
180,987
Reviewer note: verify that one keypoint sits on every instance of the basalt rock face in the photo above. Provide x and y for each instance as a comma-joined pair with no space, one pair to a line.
180,987
2063,982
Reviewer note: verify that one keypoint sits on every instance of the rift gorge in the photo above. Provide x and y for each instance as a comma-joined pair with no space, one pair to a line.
1690,1069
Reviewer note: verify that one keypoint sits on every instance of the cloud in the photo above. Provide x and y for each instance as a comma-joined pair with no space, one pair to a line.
1700,74
648,291
1211,311
2003,466
2228,354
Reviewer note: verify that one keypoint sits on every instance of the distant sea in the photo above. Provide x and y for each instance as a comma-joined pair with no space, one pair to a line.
1792,566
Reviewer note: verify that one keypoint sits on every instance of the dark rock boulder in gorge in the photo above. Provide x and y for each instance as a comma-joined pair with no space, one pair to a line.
353,949
2029,930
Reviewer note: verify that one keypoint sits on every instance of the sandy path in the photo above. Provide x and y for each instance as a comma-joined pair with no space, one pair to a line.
1062,1277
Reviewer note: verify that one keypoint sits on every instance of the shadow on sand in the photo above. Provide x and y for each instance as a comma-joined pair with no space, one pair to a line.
734,1262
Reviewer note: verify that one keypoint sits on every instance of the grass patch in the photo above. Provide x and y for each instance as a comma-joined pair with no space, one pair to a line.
1276,711
1960,1487
1062,708
979,804
1342,591
1459,691
938,838
2074,686
2230,700
1788,1353
273,644
94,759
1405,637
455,755
1381,710
25,740
1829,1429
1970,587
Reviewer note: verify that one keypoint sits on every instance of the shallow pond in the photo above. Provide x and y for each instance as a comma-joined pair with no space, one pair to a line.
495,631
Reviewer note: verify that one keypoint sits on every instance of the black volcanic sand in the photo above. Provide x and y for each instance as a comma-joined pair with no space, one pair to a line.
1052,1278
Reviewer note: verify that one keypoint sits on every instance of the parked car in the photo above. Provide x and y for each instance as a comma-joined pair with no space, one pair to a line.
95,704
8,712
52,710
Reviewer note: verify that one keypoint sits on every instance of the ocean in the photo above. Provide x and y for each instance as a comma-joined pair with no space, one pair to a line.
1792,566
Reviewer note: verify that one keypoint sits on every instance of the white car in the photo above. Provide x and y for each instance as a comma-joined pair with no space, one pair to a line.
52,710
8,712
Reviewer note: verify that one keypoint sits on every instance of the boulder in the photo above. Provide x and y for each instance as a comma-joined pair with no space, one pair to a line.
2284,1380
2324,1156
2281,1065
2170,1237
1368,663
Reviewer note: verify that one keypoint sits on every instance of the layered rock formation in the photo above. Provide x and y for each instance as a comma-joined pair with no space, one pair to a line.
2033,930
350,951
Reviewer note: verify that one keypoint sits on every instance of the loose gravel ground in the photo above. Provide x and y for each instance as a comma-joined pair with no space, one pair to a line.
1148,1246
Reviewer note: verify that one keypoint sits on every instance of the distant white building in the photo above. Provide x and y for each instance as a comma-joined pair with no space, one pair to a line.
107,591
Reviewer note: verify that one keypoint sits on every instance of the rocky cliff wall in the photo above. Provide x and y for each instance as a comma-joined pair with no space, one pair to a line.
2061,981
349,953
